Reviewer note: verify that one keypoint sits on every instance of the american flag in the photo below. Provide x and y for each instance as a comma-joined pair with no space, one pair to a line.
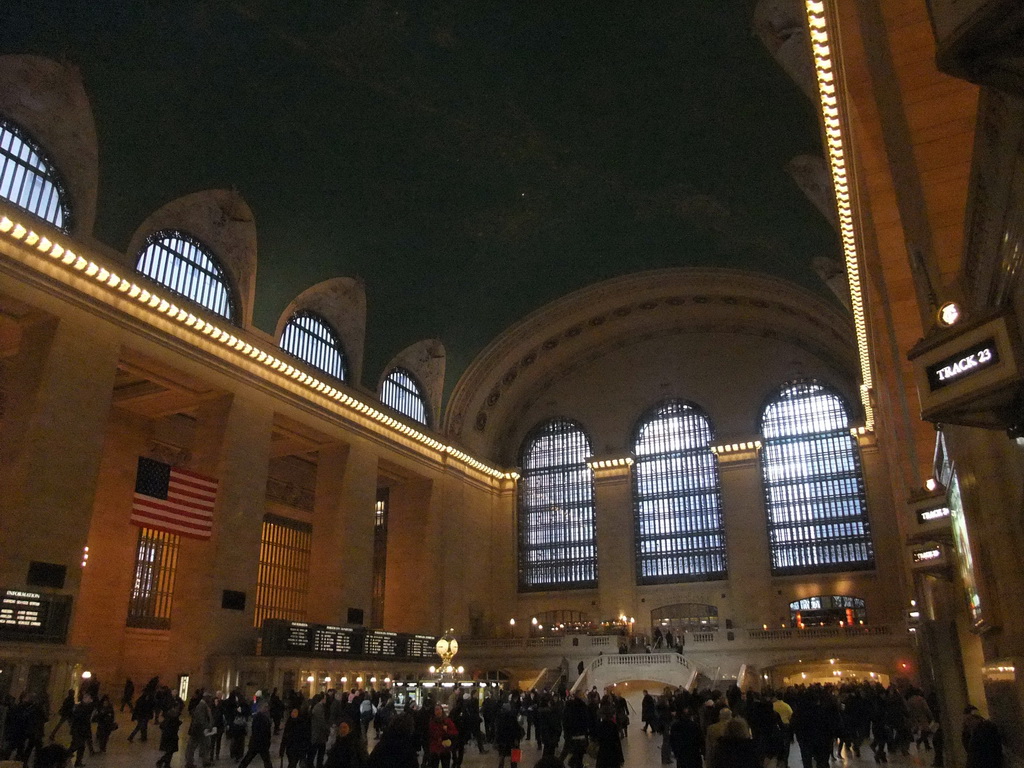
173,500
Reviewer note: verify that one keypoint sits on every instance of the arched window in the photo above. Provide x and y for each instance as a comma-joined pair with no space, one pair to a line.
307,336
28,178
401,392
182,264
677,497
827,611
557,536
814,488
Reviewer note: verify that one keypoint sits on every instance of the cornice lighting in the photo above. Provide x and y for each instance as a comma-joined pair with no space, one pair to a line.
750,445
166,307
625,461
822,51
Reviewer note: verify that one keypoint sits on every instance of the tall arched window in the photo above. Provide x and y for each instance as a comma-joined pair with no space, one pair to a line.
401,392
557,535
308,336
678,498
28,178
814,487
182,264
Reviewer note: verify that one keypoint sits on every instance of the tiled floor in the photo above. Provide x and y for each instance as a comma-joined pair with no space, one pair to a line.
640,749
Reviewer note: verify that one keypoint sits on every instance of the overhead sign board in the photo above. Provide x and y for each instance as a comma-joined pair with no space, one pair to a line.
970,374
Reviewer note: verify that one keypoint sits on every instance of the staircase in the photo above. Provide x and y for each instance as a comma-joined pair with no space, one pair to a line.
672,669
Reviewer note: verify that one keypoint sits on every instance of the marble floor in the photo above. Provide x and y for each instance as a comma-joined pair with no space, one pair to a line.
640,749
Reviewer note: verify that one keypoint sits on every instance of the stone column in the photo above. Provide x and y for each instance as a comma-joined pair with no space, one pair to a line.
59,387
752,601
616,553
232,443
341,567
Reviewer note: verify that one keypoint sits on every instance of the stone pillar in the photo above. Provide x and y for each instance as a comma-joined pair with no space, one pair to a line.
341,569
59,387
616,553
232,443
752,602
412,602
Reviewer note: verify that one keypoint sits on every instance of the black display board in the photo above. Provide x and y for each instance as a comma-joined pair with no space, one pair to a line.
296,638
34,616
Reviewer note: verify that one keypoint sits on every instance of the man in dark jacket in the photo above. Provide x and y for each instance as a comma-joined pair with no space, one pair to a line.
259,737
982,742
81,728
576,727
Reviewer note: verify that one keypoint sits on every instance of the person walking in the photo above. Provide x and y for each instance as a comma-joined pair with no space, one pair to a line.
296,739
198,739
127,694
441,736
259,738
141,714
348,750
81,729
106,722
64,712
609,744
168,737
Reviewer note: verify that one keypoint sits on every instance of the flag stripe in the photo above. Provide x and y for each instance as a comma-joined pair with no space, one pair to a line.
183,506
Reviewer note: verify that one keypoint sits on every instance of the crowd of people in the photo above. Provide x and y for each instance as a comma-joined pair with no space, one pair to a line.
371,729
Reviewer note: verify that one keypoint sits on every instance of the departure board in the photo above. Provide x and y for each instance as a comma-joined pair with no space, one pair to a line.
420,646
298,635
380,643
334,641
297,638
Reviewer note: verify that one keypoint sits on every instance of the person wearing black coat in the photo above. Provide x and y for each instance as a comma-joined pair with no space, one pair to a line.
348,750
736,749
297,736
576,728
981,740
687,741
259,738
397,746
81,729
169,737
609,744
106,722
507,733
142,714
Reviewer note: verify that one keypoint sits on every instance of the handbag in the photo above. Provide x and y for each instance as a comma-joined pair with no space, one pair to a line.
517,755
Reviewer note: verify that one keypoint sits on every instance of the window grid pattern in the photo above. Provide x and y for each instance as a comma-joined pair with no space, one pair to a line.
380,557
401,392
312,340
814,486
29,180
156,560
557,536
678,498
282,579
180,263
686,617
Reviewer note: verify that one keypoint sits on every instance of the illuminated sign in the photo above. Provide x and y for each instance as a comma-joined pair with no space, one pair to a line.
34,616
924,555
21,609
963,364
930,515
298,638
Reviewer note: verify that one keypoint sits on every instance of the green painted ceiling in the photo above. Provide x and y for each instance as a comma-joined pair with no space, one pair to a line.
471,160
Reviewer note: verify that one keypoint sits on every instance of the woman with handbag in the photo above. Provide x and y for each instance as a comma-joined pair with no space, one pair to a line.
441,735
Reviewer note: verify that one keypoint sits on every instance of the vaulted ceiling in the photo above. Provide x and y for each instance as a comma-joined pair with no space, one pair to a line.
469,160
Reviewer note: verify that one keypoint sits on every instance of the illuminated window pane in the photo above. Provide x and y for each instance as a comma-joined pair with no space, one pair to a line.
814,487
312,340
282,578
557,536
29,180
180,263
401,392
156,559
685,617
678,498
